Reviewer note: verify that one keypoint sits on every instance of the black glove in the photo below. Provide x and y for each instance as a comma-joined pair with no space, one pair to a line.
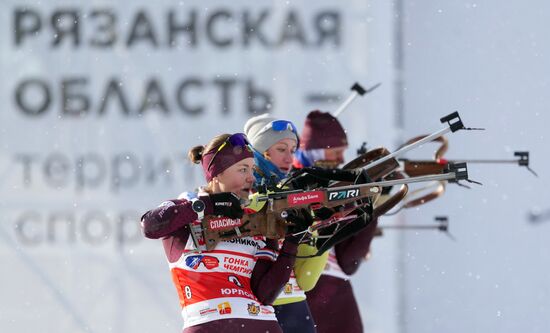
301,220
223,204
324,213
345,232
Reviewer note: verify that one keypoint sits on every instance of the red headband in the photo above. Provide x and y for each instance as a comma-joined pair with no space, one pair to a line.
223,159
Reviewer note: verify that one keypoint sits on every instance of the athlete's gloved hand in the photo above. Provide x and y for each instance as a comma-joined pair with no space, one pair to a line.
223,204
301,220
324,213
364,218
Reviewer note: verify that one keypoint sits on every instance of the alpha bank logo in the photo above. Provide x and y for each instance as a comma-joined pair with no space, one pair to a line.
345,194
305,198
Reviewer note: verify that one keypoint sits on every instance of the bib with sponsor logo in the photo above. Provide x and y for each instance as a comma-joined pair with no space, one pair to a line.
291,288
215,284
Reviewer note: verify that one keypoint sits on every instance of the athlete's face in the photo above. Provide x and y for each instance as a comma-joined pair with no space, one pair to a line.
281,153
335,154
238,178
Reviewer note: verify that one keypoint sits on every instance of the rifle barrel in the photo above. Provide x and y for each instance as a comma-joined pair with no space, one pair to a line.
357,90
484,161
419,179
346,103
445,161
410,227
385,183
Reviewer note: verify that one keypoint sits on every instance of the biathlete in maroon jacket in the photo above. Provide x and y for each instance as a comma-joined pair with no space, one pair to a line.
221,290
332,302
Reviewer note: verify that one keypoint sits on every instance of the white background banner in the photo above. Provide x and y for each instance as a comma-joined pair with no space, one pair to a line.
100,103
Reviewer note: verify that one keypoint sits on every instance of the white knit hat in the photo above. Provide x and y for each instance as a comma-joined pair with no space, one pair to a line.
261,136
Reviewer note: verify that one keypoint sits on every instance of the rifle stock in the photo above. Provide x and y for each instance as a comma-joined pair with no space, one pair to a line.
271,222
279,205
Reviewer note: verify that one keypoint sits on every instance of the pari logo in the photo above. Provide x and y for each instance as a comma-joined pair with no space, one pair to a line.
253,309
341,195
224,308
223,223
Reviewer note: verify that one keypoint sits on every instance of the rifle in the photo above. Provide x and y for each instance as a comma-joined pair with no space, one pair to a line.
424,167
380,163
271,220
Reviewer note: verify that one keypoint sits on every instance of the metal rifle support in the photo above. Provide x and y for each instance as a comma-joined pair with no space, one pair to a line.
356,90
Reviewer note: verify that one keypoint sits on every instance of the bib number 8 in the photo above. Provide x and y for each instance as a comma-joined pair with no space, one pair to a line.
187,291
